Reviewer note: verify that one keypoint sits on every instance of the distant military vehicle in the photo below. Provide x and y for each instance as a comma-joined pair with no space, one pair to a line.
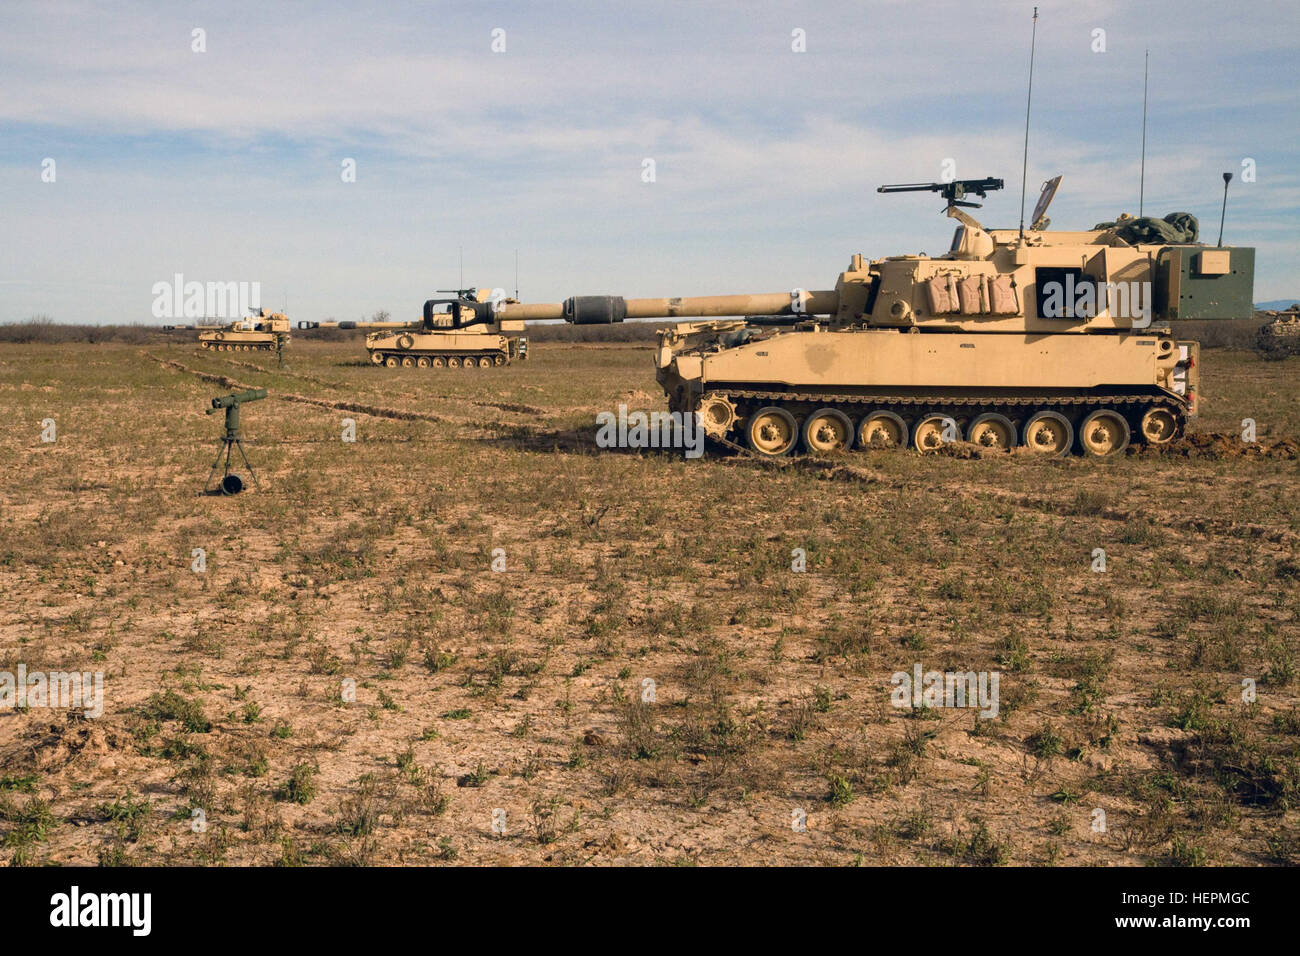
1280,336
1051,340
255,333
460,332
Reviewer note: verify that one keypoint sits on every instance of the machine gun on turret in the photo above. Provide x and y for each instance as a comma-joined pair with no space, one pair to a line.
955,192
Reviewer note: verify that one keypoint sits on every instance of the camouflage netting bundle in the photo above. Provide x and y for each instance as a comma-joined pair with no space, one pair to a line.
1177,227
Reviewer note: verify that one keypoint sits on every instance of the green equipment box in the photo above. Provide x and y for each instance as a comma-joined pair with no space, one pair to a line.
1205,282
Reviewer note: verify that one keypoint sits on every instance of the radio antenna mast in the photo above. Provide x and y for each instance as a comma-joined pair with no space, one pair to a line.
516,273
1142,175
1024,169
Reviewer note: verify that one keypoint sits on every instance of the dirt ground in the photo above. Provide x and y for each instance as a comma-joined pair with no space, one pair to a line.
504,716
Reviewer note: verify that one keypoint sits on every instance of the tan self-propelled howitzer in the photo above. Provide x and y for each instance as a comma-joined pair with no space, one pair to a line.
464,332
256,333
1055,341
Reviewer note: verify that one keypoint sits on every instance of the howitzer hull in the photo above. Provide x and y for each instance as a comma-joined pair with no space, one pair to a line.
832,390
471,349
240,341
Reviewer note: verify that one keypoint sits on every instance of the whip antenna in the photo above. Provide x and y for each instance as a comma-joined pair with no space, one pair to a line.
1024,169
1142,176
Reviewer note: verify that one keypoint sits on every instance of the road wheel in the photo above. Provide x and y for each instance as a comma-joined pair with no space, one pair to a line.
391,361
422,362
1103,433
377,358
1049,433
498,360
882,430
772,432
929,432
408,362
827,431
485,362
1159,426
453,362
438,362
992,430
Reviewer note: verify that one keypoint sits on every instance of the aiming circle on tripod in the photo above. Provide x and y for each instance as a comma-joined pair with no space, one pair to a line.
231,483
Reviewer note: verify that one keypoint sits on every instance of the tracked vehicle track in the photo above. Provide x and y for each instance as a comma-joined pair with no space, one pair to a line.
776,423
453,360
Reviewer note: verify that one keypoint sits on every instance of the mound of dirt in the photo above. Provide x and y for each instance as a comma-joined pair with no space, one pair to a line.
52,747
1219,445
966,450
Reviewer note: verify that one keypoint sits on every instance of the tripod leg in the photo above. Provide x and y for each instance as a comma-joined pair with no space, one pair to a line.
248,464
207,483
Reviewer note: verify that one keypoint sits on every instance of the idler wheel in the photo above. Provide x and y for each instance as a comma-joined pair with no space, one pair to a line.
1159,426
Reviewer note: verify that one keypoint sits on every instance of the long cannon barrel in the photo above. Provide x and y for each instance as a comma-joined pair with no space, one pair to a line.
606,309
305,324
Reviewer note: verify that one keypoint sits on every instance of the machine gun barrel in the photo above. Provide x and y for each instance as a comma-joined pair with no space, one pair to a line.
977,186
605,309
954,191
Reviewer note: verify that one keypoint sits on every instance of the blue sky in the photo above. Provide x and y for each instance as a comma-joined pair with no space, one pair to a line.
225,165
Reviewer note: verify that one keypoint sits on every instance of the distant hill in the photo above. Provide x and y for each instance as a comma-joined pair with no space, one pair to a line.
1277,303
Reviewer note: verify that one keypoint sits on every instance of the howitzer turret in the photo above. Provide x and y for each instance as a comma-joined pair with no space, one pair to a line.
1052,340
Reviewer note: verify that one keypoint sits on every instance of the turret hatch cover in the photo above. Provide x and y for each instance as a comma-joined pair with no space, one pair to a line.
1044,200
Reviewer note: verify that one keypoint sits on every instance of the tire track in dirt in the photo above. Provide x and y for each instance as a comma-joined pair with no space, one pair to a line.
283,371
376,411
502,406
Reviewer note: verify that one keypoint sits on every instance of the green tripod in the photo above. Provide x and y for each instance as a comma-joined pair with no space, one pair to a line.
232,484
